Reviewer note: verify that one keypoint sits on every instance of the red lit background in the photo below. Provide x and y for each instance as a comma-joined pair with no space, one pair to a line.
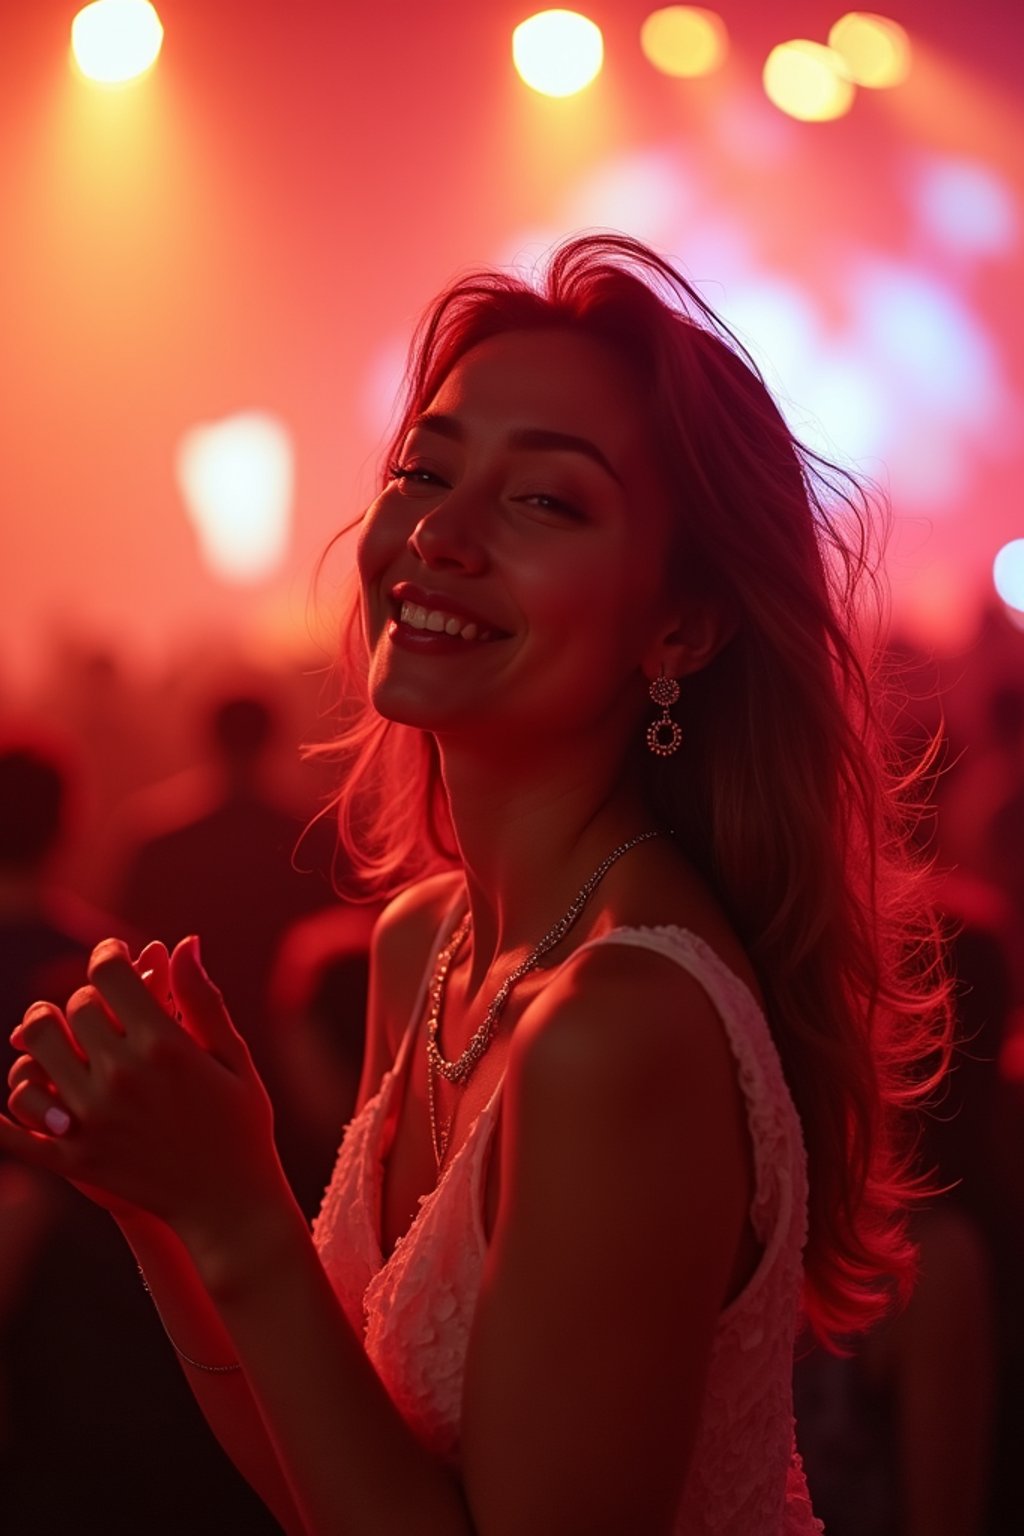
256,224
254,227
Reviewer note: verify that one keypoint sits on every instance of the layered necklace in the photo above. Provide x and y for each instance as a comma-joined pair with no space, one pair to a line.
459,1071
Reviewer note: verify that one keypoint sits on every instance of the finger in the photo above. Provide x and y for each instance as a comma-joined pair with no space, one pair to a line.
151,966
157,977
26,1070
44,1035
125,994
36,1012
92,1025
202,1006
31,1147
39,1109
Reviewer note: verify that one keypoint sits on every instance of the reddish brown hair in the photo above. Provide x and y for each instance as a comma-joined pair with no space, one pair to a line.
786,798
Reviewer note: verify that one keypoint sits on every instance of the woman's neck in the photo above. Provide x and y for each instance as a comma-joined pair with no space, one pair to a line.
528,842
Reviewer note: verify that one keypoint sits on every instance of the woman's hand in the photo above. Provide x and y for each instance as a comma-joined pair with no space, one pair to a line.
140,1110
33,1100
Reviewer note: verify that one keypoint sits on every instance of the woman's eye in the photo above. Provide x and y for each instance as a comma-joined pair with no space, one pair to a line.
411,474
554,504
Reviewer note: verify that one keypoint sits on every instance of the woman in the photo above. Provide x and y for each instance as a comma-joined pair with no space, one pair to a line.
656,935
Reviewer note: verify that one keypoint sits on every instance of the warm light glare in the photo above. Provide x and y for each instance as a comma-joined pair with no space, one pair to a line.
808,81
1008,574
875,50
236,477
557,52
685,41
116,40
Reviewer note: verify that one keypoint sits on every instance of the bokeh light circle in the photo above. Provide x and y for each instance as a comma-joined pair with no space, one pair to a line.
875,50
557,53
116,40
808,81
685,41
1008,574
968,206
237,481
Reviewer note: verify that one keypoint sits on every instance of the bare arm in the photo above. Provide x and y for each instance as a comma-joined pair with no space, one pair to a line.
625,1190
224,1398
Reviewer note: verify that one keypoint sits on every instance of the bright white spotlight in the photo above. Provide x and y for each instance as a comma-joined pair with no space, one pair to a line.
557,52
116,40
808,81
875,50
685,41
236,477
1008,574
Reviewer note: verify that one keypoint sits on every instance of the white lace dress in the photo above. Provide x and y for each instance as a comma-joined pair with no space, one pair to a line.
414,1311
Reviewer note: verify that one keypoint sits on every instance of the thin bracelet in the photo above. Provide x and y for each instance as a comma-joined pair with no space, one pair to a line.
197,1365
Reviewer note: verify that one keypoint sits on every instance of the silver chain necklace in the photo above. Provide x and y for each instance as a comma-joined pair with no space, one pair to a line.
459,1071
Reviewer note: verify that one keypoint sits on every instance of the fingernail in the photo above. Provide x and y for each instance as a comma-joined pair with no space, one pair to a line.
146,975
192,945
57,1120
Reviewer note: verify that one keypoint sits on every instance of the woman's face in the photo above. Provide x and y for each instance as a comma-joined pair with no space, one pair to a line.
513,569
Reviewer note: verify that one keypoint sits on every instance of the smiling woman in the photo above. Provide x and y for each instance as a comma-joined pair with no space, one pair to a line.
648,1009
524,502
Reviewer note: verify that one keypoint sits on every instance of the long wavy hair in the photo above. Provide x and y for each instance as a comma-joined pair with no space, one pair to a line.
787,797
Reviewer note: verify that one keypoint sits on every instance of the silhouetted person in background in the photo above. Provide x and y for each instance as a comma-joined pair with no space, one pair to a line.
218,860
45,939
318,999
911,1435
45,933
98,1432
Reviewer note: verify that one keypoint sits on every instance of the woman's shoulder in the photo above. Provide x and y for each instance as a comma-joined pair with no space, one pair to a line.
661,893
626,1022
621,1076
418,909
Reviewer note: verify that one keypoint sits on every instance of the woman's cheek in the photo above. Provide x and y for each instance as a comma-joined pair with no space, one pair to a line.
382,537
372,553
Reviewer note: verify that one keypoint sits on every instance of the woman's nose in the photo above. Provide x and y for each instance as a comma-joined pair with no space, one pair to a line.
444,539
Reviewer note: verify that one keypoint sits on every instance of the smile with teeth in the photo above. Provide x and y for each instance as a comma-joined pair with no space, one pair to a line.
441,623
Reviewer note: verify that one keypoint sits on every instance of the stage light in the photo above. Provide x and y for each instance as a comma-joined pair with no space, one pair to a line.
557,52
236,477
685,41
1008,574
116,40
808,81
875,50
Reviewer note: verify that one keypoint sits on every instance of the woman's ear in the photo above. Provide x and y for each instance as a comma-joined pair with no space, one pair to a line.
693,641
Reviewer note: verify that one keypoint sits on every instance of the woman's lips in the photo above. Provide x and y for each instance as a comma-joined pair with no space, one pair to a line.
424,613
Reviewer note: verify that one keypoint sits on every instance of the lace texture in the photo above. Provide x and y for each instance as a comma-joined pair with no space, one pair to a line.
414,1311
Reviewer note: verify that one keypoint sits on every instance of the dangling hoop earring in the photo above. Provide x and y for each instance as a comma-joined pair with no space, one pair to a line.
664,735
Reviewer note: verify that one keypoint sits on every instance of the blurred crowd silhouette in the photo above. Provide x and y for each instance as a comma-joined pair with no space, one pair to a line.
154,807
155,812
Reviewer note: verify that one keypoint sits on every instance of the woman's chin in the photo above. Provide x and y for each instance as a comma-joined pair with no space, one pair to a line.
403,707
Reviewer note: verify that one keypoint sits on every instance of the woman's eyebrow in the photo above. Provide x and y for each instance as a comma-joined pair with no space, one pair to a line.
526,437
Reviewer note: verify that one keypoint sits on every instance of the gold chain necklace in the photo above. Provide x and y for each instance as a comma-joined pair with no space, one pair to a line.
460,1070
